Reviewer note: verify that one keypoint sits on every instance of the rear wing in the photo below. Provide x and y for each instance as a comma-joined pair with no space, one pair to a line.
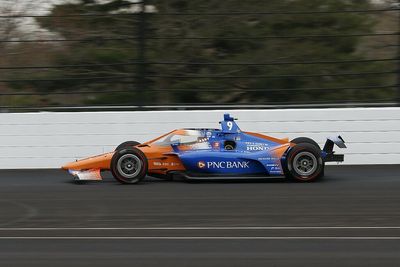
328,149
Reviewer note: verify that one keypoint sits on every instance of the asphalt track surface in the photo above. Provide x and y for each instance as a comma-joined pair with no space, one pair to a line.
351,218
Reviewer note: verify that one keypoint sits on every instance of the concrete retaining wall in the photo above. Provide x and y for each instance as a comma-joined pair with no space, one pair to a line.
47,140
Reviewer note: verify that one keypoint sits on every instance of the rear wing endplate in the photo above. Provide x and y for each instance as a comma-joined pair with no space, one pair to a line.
328,148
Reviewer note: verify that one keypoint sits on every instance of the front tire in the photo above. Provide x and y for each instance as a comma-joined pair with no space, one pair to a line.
304,163
127,144
129,166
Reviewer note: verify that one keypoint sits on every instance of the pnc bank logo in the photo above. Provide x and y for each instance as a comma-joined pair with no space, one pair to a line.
224,164
201,164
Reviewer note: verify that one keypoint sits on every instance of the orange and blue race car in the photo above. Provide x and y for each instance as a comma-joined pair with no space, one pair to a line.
199,154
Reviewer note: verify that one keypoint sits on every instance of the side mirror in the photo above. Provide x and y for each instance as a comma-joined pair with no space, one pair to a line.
175,146
175,142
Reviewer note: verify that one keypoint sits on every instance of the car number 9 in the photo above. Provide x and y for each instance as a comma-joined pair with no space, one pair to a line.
230,125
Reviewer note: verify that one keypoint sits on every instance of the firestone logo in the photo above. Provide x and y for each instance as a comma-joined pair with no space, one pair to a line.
224,164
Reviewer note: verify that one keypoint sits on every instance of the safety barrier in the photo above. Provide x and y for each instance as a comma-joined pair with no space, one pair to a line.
47,140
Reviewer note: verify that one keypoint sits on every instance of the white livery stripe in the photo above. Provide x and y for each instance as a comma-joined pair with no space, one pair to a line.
206,237
199,228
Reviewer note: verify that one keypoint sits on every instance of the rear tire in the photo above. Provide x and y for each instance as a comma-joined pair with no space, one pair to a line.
300,140
304,163
127,144
129,166
307,140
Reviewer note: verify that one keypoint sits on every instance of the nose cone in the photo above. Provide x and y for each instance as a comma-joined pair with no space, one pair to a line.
70,165
101,162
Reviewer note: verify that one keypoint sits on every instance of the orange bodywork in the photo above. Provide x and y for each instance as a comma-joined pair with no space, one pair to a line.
160,159
101,162
270,138
279,150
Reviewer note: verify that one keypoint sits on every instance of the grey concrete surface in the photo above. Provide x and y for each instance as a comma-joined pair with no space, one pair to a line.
351,218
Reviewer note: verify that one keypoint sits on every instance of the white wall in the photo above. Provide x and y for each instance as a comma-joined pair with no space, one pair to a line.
48,140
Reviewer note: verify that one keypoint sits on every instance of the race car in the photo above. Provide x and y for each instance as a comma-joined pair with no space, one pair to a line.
199,154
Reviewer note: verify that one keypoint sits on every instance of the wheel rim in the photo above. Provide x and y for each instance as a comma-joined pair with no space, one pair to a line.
129,166
305,163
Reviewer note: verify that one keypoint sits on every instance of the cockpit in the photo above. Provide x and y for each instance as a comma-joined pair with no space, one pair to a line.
186,137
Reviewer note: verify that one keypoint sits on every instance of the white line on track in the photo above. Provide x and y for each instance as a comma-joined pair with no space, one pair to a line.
198,228
203,237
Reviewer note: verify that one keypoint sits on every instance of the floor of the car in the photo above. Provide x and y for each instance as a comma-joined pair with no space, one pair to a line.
213,176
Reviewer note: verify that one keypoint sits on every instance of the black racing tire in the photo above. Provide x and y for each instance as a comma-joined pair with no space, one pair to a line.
307,140
304,163
300,140
129,165
127,144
